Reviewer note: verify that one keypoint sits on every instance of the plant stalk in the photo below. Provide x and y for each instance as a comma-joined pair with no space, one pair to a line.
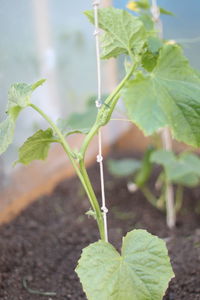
102,119
82,173
110,104
149,196
94,202
170,206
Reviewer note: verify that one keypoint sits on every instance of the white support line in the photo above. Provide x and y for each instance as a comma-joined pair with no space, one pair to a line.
98,102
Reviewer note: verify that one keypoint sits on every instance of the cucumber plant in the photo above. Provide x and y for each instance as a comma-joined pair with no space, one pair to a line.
182,170
183,176
159,89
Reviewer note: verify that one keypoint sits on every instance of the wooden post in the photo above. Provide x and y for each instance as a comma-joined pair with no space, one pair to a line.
165,133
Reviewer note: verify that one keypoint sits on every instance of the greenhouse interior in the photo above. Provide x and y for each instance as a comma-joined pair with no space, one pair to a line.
99,150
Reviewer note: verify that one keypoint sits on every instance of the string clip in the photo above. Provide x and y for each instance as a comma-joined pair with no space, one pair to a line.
99,158
104,209
98,103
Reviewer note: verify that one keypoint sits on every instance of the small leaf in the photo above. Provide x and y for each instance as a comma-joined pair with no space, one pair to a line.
7,128
147,21
165,12
36,147
149,60
150,56
91,213
123,167
154,44
18,98
143,4
78,122
141,272
124,33
183,169
37,84
81,122
168,96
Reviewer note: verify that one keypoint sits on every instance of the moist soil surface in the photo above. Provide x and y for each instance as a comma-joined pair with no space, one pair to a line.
39,250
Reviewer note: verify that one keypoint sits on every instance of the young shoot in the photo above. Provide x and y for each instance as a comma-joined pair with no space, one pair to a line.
181,171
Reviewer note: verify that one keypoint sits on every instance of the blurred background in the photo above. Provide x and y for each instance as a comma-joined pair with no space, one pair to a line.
45,39
53,40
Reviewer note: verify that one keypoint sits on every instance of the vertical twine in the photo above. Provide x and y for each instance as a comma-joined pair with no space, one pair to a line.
96,4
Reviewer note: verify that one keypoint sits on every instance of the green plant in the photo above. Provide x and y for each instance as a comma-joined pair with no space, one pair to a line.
159,89
180,170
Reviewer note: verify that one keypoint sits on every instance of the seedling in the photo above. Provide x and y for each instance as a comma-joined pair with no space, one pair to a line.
158,92
145,10
180,170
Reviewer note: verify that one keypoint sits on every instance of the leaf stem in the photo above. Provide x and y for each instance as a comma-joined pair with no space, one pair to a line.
94,202
149,196
108,105
82,173
179,197
36,292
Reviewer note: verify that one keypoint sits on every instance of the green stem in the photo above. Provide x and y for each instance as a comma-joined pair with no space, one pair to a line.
149,196
103,117
110,102
60,135
94,202
179,197
82,174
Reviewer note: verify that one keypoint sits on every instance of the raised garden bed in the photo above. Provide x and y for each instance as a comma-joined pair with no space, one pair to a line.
42,245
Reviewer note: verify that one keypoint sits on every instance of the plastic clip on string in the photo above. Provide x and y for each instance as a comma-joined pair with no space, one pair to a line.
98,103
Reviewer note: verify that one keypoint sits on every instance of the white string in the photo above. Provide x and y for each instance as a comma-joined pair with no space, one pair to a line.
155,10
98,102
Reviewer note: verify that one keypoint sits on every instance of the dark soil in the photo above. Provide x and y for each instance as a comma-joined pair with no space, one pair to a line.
41,247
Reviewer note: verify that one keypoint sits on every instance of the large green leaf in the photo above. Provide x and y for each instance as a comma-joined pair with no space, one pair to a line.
168,96
123,167
18,98
183,169
124,33
141,272
36,147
